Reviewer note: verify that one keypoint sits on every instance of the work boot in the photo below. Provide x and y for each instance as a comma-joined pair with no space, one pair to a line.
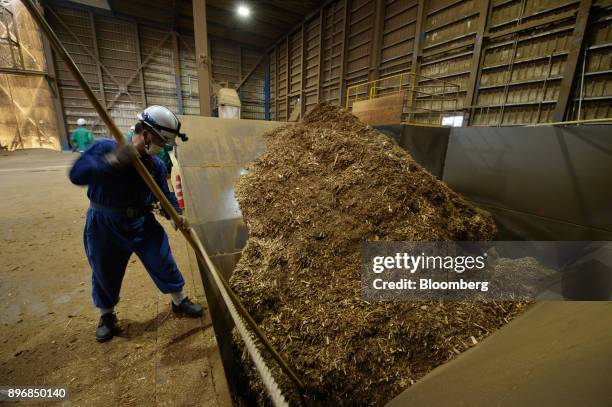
188,308
106,327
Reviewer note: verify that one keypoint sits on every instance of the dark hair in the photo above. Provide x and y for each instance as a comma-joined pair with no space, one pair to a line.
138,128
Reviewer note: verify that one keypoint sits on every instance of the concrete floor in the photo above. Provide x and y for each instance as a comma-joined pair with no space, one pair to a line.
47,317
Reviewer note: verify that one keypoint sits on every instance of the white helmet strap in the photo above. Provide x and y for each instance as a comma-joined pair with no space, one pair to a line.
152,123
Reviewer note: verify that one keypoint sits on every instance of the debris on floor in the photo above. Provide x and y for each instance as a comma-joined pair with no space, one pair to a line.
321,188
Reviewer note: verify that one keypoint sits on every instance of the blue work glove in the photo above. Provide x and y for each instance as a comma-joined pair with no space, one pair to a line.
122,156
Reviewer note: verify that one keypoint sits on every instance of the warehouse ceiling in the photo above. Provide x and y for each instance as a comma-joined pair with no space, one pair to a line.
268,21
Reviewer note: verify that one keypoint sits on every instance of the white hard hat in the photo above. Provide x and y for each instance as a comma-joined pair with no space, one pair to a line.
133,128
162,122
81,121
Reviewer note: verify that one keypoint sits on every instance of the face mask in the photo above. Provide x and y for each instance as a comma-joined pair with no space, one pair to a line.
153,149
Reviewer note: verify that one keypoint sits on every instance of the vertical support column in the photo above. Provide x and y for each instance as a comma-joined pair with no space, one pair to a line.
202,59
276,91
141,68
267,89
240,92
288,82
419,36
347,15
303,72
321,45
576,45
177,73
239,64
473,80
97,55
58,106
379,21
415,66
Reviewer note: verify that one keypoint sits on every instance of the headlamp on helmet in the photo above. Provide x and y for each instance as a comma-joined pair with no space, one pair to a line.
161,121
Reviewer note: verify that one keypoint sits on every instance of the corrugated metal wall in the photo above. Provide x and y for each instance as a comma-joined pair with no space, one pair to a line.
522,72
333,46
158,71
117,51
514,60
189,75
226,63
314,52
131,65
592,96
74,29
280,112
252,92
312,62
398,37
509,57
359,40
230,63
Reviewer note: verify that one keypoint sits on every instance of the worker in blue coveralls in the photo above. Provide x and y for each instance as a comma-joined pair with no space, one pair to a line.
119,219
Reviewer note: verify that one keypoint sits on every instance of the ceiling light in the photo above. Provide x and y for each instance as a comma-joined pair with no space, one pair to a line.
243,11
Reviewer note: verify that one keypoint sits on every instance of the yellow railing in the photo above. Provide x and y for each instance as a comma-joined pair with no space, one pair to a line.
426,100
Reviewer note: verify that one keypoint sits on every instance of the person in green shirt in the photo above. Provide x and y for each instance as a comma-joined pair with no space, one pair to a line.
129,134
81,138
165,157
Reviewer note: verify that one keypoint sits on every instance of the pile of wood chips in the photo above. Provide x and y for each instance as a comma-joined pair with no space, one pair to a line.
321,188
